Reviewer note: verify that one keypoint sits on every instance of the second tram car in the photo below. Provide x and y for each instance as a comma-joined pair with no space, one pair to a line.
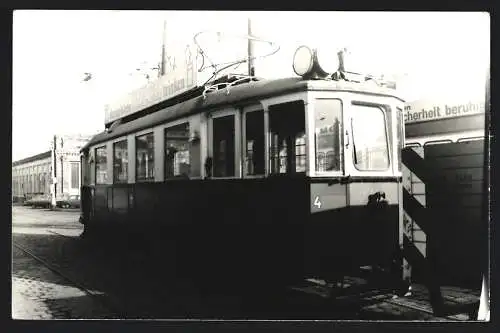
265,180
444,186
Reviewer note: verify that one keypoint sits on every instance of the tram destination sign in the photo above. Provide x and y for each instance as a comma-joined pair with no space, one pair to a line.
428,110
179,77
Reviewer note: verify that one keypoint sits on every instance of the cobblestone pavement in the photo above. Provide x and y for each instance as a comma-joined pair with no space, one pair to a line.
39,293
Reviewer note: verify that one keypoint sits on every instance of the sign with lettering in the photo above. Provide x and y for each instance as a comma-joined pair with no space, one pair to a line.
179,77
427,110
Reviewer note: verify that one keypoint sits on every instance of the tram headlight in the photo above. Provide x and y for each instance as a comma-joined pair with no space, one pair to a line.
303,60
315,63
328,60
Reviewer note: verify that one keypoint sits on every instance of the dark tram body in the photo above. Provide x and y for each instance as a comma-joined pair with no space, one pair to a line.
274,180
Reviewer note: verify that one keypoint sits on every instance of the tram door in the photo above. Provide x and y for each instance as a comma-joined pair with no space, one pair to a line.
224,134
85,191
287,138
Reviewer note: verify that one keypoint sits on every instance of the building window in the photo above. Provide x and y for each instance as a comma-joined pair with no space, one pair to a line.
44,182
40,182
120,162
144,156
223,146
101,171
255,146
177,161
75,174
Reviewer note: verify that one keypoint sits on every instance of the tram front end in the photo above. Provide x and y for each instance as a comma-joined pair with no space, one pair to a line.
355,193
355,137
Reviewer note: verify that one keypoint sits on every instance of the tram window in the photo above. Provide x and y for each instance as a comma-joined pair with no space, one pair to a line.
223,146
144,157
254,147
177,151
120,162
327,136
101,165
369,138
287,129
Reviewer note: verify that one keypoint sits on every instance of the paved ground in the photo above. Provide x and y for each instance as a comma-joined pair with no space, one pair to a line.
130,286
37,291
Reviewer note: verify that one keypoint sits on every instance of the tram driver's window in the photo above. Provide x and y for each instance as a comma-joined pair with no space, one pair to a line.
327,134
287,152
144,157
223,146
254,145
369,138
101,165
177,151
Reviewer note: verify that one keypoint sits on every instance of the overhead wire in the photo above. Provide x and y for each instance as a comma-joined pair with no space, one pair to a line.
217,70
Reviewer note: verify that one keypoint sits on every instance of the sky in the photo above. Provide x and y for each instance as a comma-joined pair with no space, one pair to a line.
432,53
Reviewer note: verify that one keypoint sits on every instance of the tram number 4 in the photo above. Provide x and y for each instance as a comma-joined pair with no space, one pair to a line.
317,202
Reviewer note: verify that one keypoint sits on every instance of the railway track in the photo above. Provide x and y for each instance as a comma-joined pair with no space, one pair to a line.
400,308
463,312
59,234
104,300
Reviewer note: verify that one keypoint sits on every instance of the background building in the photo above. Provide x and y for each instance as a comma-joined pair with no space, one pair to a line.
33,175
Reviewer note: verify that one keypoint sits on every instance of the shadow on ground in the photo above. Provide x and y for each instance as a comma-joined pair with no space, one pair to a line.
140,280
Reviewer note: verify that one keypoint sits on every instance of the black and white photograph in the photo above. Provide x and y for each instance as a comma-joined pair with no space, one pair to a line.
191,165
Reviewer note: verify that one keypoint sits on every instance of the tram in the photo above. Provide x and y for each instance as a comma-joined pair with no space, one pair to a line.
256,179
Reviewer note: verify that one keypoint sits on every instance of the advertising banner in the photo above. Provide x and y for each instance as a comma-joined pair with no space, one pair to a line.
179,77
428,110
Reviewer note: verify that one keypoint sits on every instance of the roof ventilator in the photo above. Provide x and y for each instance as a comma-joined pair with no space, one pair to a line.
114,125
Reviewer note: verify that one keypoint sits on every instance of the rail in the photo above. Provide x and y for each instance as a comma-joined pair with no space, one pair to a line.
98,297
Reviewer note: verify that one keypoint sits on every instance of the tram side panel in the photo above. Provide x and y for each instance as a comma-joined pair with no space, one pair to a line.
262,230
249,228
258,229
100,204
253,227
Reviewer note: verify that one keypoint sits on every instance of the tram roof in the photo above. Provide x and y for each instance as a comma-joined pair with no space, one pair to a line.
238,95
